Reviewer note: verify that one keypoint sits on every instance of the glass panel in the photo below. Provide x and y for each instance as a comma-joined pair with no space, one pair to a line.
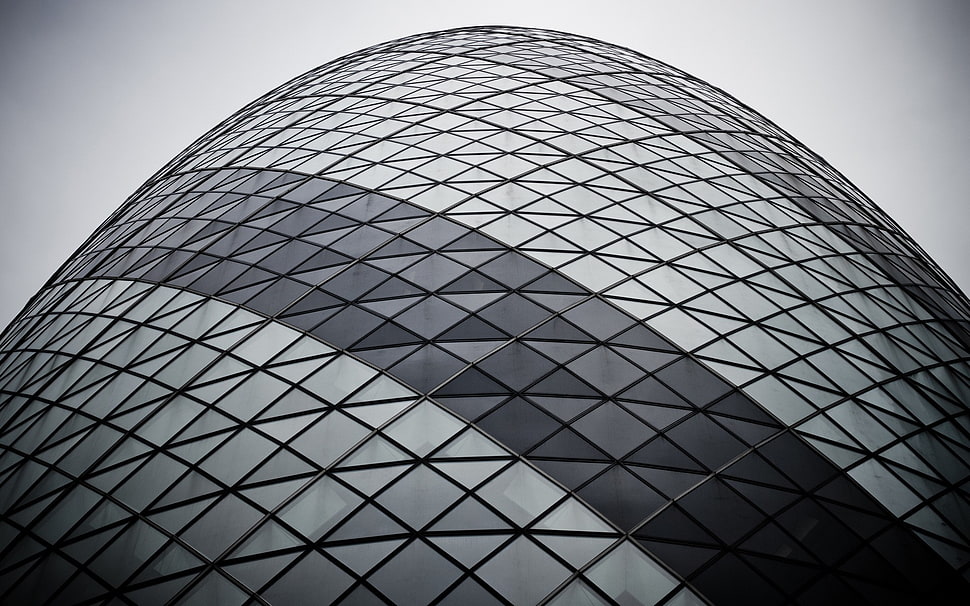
469,549
339,378
576,550
329,438
890,491
423,428
314,575
397,578
522,572
221,526
521,493
376,450
269,537
628,576
238,456
215,589
265,343
418,496
361,557
577,592
573,516
319,508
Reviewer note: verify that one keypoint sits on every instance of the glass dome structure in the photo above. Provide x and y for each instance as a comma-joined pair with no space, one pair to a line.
490,316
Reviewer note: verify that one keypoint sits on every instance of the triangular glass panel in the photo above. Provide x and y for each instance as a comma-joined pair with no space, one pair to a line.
469,549
377,449
522,572
255,573
470,473
576,550
329,438
395,579
424,428
283,464
521,493
578,592
313,575
571,516
319,508
631,578
367,522
469,515
372,479
269,537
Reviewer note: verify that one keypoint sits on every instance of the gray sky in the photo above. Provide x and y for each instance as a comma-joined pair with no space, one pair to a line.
96,96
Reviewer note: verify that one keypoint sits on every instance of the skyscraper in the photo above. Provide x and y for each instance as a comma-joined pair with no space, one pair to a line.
490,315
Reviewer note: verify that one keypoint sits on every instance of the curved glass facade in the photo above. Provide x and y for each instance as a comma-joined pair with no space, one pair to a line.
490,316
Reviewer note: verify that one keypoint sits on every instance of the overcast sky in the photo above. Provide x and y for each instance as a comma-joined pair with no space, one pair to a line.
95,96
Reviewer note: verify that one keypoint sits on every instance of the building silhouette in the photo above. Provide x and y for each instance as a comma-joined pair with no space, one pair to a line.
490,316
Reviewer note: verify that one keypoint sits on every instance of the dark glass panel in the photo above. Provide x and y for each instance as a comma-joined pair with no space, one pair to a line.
750,433
567,444
433,272
518,424
599,318
473,282
473,329
558,329
276,296
516,365
721,510
399,247
614,429
605,370
662,452
347,327
571,474
437,232
563,382
683,559
798,461
314,575
367,207
221,526
772,540
554,283
254,574
41,582
514,313
621,497
360,241
668,482
768,499
430,317
355,281
396,579
706,441
472,407
512,269
368,522
426,368
127,553
651,390
474,241
736,404
728,576
695,383
384,357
